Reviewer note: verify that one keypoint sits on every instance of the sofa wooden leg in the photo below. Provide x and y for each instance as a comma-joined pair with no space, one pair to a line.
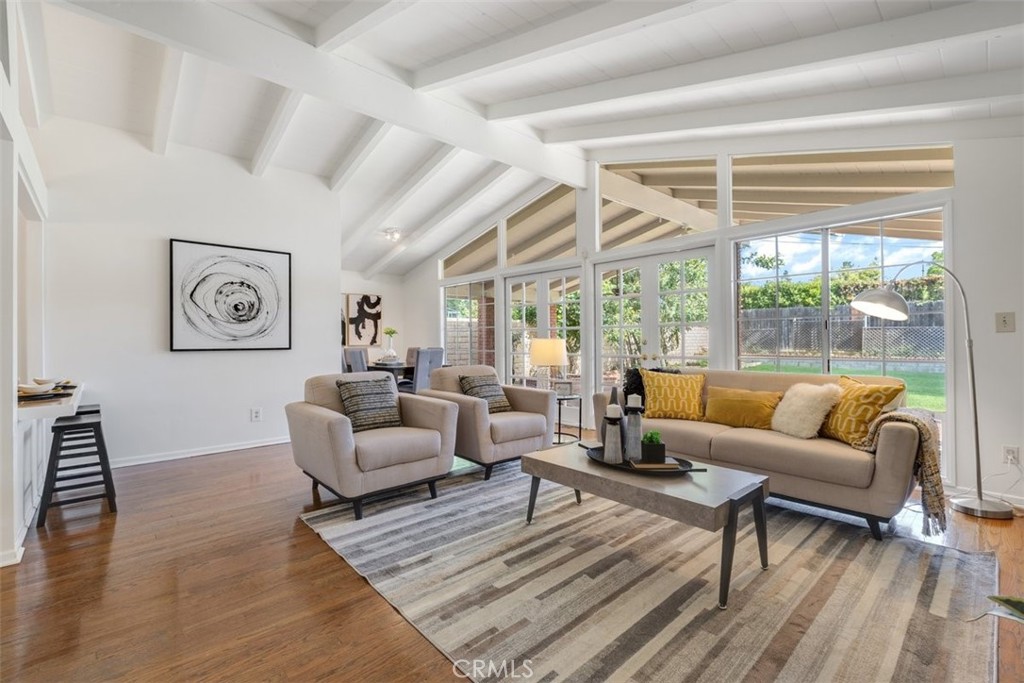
579,501
357,508
432,485
487,471
314,487
876,530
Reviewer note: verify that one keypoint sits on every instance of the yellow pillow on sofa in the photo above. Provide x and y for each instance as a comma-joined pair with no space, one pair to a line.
741,408
673,396
858,406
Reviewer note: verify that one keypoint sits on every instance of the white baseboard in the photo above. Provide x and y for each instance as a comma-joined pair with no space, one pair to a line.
193,452
9,557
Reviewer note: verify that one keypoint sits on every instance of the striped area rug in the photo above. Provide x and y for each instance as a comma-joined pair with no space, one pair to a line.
603,592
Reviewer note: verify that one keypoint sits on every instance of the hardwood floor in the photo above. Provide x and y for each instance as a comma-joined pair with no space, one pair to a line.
206,573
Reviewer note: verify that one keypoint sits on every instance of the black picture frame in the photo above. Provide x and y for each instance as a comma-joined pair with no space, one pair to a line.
229,298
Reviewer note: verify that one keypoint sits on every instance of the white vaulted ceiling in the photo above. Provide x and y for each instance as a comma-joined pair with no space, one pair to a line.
432,116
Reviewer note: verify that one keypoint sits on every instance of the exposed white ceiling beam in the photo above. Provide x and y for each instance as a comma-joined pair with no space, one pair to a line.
167,98
271,19
355,19
990,88
603,22
915,33
494,176
38,63
637,196
397,198
276,128
360,152
216,33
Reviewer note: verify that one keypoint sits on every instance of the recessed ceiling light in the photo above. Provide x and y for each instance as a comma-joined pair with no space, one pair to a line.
392,234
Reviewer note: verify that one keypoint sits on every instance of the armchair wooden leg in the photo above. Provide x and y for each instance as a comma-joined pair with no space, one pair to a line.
314,487
487,471
432,485
357,508
876,531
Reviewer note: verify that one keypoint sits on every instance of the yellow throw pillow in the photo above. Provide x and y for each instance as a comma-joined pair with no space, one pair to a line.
858,406
741,408
673,396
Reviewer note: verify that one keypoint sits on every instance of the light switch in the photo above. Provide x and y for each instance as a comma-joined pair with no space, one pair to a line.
1006,322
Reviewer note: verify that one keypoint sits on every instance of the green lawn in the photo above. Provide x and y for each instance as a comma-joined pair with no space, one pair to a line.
924,389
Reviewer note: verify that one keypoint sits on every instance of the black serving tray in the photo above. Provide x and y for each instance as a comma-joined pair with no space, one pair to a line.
685,466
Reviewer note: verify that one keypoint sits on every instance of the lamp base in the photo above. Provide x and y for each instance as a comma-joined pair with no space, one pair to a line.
972,505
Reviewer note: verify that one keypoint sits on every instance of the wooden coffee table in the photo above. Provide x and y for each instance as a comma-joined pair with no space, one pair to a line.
708,500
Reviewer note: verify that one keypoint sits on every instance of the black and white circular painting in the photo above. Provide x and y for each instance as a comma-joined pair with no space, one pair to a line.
228,297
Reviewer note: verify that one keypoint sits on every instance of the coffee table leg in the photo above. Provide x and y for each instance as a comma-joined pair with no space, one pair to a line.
534,485
579,501
761,527
728,550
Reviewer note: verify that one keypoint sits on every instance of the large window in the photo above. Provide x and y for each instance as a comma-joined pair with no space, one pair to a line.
794,293
469,323
478,256
543,230
654,312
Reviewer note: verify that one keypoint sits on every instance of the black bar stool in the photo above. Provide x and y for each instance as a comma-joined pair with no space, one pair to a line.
78,452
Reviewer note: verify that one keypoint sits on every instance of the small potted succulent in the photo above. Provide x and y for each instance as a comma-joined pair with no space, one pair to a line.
651,447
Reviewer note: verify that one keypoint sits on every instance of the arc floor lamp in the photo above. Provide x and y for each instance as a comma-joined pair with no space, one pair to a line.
885,302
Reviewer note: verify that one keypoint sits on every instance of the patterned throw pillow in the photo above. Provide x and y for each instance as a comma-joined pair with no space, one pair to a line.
487,388
633,383
370,403
858,406
673,396
742,408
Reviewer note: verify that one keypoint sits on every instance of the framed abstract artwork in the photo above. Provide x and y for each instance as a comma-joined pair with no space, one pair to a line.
226,298
362,320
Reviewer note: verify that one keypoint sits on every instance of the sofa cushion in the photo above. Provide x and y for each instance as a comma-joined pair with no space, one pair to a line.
515,425
818,459
859,404
370,403
741,408
685,437
487,388
673,396
803,408
387,446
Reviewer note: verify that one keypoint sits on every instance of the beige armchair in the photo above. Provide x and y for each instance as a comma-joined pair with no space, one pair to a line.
355,465
487,438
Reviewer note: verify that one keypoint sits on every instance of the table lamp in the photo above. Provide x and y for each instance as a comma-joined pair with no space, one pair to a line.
885,302
549,352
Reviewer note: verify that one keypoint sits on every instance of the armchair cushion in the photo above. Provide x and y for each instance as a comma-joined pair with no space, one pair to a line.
487,388
387,446
512,426
370,403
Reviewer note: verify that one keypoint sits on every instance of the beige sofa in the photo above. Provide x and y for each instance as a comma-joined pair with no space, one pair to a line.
487,438
820,471
355,465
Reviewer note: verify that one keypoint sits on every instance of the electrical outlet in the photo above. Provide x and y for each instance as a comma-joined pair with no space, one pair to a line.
1011,455
255,414
1006,322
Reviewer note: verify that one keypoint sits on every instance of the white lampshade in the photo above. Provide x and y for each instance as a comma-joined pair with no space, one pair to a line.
884,302
548,352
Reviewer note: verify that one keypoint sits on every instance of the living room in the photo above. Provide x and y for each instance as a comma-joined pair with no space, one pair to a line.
125,127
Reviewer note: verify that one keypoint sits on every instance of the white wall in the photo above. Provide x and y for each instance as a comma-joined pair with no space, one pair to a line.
113,206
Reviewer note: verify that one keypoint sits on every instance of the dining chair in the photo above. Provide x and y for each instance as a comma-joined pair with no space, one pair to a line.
356,359
427,360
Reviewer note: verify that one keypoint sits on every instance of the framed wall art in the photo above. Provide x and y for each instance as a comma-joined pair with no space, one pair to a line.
362,320
226,298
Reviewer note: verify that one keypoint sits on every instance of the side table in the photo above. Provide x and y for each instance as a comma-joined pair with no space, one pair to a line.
559,434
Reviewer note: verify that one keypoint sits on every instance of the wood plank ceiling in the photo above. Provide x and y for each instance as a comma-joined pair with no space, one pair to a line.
439,117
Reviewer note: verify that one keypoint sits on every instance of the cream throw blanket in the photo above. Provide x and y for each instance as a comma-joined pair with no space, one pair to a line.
926,462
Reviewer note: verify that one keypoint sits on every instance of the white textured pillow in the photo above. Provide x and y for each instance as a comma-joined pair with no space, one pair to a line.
803,408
